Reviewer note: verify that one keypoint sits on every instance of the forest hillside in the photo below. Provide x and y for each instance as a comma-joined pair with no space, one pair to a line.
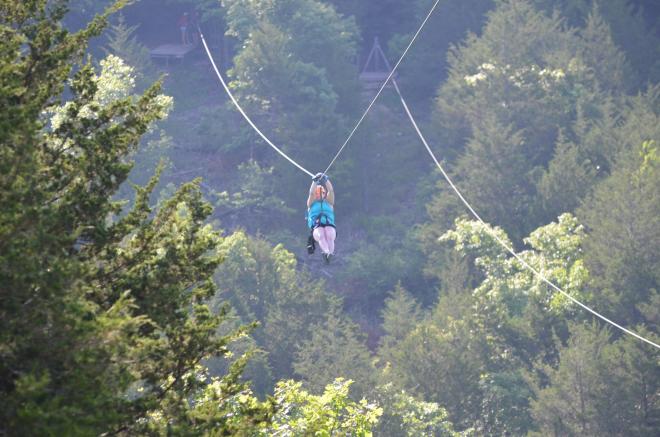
487,256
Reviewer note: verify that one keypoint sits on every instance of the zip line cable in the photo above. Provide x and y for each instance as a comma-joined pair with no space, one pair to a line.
254,126
233,99
380,90
493,233
435,160
498,239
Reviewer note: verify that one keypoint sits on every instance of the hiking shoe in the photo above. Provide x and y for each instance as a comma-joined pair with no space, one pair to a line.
326,257
311,246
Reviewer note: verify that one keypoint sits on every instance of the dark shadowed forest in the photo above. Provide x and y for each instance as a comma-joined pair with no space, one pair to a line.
157,271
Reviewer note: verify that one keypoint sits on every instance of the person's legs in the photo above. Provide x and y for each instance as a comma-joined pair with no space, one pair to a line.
319,236
330,234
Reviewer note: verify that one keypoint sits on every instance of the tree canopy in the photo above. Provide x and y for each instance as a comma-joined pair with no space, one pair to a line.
154,276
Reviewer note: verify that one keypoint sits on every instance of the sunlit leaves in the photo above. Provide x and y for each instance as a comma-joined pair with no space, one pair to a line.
331,413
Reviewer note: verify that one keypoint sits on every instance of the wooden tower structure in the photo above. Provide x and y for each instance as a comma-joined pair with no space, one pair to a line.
376,69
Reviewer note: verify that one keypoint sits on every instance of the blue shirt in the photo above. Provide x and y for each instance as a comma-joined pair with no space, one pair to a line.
320,213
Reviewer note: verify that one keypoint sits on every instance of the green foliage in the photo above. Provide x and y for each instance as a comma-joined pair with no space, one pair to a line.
262,283
567,179
209,11
332,413
81,12
400,316
510,91
600,388
335,348
378,19
373,271
117,80
602,131
442,364
468,353
630,31
103,319
613,72
123,44
405,415
294,74
426,63
556,254
114,314
623,217
256,205
257,371
401,313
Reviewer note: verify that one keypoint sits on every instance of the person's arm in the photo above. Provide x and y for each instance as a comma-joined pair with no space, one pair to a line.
310,198
330,196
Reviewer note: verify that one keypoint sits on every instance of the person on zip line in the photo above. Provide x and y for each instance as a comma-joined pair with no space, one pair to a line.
321,216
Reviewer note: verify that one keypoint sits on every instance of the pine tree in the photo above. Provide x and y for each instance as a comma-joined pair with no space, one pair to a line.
497,115
336,347
623,216
103,322
599,387
123,44
400,316
567,180
426,63
630,30
601,54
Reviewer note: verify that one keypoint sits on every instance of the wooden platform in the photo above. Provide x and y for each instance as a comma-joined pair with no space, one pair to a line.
172,51
373,80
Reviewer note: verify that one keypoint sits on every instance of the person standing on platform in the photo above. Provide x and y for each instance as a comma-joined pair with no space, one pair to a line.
194,25
183,27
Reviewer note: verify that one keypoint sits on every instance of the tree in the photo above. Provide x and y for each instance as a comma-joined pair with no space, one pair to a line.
506,93
405,415
400,316
255,206
567,180
262,283
442,364
498,177
604,128
103,319
123,44
472,353
509,105
294,73
613,74
516,298
630,29
117,80
336,347
623,217
426,63
331,413
599,387
292,319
